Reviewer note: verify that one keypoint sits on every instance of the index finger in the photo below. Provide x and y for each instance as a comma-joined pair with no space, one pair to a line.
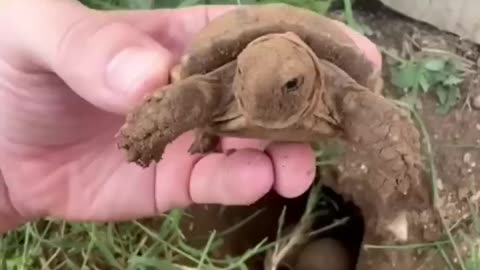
173,28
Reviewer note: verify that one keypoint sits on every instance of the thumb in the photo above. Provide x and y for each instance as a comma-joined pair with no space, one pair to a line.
107,62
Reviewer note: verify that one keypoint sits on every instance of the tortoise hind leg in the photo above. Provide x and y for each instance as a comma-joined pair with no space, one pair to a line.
374,123
386,140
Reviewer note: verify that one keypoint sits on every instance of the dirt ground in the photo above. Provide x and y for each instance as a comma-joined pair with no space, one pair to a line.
455,141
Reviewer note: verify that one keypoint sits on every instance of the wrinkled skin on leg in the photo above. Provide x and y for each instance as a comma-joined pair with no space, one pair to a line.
391,190
171,111
386,138
372,122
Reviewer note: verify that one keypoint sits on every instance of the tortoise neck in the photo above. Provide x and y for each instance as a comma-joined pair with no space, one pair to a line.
335,84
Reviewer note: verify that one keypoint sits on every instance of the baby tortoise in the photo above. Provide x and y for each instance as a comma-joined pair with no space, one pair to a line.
279,73
289,58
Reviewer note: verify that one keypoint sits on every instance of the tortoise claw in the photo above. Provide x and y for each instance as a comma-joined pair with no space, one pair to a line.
204,143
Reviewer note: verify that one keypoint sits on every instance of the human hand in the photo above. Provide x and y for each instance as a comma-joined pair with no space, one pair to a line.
69,75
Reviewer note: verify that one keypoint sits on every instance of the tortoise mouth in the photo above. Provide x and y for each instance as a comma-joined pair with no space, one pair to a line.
269,119
273,123
272,116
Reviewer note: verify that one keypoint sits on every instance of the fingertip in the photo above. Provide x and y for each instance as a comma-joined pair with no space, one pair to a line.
219,10
294,166
366,45
240,178
173,174
135,71
9,216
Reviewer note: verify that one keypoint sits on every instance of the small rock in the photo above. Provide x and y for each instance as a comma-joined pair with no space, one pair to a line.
467,158
476,102
463,192
439,184
477,126
475,196
364,168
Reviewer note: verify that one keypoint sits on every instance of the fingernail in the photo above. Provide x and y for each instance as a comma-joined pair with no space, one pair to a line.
131,69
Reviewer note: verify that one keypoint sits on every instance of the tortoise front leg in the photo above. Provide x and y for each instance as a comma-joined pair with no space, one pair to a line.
169,112
204,141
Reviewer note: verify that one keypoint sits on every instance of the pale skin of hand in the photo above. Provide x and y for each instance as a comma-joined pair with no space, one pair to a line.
68,77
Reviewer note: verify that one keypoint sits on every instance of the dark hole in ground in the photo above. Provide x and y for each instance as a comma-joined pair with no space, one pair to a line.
350,234
332,208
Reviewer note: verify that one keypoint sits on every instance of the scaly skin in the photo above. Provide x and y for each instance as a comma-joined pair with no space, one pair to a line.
171,111
387,138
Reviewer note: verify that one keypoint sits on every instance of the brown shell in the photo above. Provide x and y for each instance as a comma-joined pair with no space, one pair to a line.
226,36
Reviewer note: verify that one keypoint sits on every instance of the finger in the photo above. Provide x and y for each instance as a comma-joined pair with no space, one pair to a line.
9,217
371,50
173,28
239,178
175,175
294,167
106,61
172,181
178,184
100,55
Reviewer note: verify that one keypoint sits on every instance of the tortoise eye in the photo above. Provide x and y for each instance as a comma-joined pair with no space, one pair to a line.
293,85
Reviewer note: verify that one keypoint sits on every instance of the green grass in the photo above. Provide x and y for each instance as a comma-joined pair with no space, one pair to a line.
317,5
428,75
158,243
150,244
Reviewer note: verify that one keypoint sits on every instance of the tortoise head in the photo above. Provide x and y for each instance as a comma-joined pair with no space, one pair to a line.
275,80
